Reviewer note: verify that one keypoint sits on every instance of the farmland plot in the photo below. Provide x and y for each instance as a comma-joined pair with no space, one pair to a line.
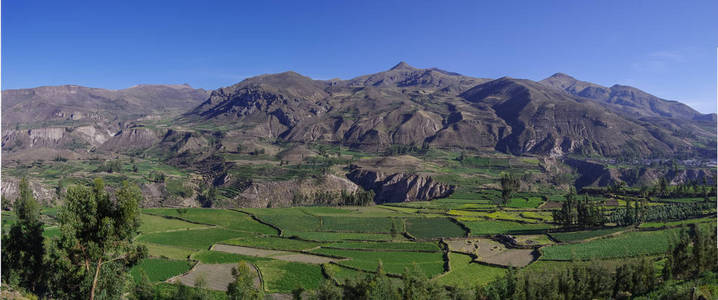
432,228
431,264
625,245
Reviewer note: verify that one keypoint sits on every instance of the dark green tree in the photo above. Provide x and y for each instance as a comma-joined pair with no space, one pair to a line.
509,185
95,249
143,290
22,248
243,286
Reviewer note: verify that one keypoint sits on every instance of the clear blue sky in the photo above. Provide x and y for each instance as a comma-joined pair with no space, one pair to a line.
667,48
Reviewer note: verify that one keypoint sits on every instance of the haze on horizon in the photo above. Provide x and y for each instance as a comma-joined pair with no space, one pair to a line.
662,47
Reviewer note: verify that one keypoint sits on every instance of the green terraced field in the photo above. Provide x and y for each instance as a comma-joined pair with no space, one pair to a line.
481,227
430,263
275,243
466,274
676,223
283,277
341,274
356,224
431,228
151,223
530,202
218,257
341,236
197,239
224,218
573,236
159,269
287,219
164,251
625,245
406,246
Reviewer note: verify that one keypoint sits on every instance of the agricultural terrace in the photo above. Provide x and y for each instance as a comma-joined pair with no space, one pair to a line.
464,240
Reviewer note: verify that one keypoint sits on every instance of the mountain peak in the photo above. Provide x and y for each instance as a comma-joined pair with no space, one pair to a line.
560,75
402,66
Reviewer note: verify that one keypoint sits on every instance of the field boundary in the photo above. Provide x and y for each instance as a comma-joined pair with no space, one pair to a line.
173,278
463,226
181,219
365,271
609,235
445,255
279,230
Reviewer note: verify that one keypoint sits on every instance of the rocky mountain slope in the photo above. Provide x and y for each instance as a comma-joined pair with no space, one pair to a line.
410,106
256,143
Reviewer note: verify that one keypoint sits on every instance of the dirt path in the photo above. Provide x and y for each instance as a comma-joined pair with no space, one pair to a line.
217,276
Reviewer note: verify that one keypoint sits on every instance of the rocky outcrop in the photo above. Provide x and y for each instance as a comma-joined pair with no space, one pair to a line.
399,187
132,138
41,192
284,193
597,174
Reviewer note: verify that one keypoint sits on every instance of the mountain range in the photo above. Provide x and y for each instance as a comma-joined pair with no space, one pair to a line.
401,106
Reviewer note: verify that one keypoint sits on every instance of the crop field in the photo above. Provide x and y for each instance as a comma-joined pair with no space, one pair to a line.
430,264
431,228
529,202
218,257
152,223
628,244
349,242
482,227
342,236
465,273
197,239
224,218
164,251
341,274
283,277
275,243
406,246
356,224
573,236
676,223
287,219
159,269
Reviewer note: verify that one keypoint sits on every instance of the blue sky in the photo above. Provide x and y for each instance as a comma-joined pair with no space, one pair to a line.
667,48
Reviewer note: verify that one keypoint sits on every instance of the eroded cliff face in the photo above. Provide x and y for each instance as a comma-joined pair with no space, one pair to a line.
399,187
596,174
10,191
285,193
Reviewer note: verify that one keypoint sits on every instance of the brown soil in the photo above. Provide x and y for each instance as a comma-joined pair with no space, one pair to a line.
275,254
492,252
306,258
511,257
217,276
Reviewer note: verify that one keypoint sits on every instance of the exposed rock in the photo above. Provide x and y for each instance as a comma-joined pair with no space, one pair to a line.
281,193
399,187
132,138
43,194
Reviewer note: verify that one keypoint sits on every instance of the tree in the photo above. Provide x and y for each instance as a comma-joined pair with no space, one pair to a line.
567,216
143,290
509,185
243,286
95,248
22,248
